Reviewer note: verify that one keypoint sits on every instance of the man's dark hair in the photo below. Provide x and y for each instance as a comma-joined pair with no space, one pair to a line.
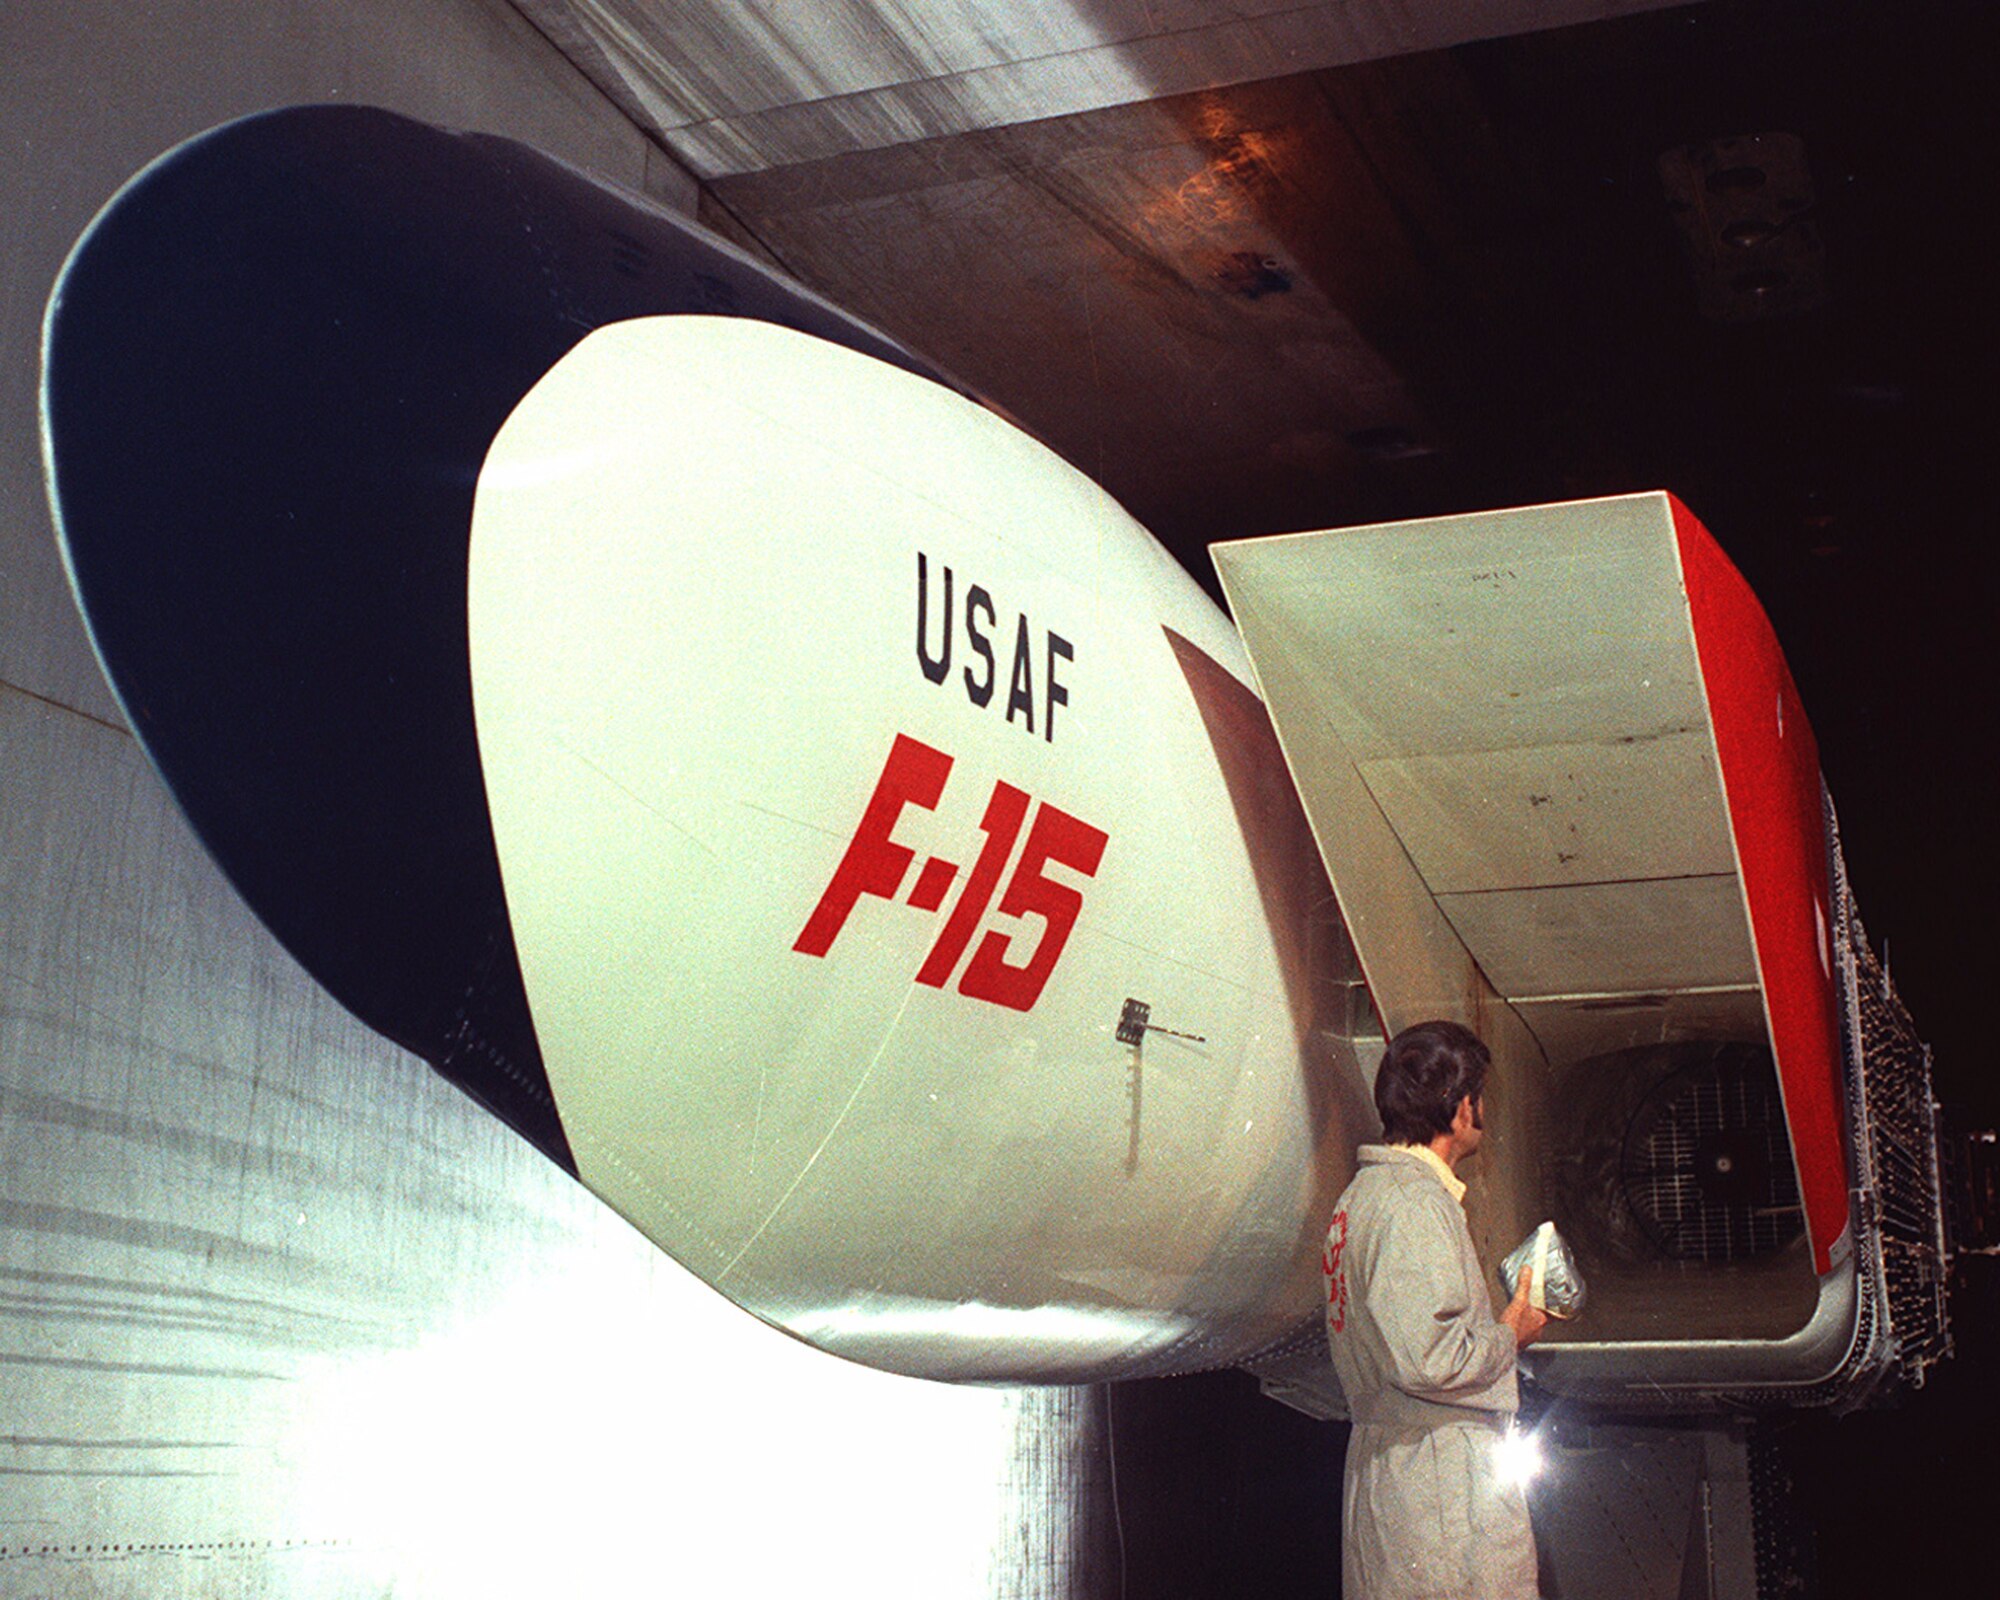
1427,1070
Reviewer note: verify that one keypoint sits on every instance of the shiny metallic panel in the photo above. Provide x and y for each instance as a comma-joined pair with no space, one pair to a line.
1147,283
1649,1513
736,88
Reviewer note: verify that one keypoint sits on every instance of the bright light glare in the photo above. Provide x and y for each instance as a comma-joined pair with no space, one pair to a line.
1518,1457
628,1431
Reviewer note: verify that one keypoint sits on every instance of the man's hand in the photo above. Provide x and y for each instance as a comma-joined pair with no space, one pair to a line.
1521,1315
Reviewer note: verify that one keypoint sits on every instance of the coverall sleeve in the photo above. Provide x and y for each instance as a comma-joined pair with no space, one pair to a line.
1443,1340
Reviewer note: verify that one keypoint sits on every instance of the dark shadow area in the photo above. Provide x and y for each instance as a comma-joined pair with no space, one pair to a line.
1895,1500
1222,1493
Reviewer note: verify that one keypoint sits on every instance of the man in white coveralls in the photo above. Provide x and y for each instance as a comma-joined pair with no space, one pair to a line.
1427,1368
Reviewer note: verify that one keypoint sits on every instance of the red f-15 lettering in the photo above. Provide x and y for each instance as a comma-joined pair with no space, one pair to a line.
875,864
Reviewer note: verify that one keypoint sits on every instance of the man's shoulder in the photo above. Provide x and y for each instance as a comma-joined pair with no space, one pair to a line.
1387,1175
1386,1165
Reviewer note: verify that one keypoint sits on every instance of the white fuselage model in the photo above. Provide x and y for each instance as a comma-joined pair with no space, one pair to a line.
837,838
925,931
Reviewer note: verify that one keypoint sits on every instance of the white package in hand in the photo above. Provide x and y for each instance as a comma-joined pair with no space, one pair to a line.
1558,1286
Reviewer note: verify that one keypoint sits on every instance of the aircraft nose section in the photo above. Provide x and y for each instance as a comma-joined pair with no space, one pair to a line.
686,721
812,853
273,367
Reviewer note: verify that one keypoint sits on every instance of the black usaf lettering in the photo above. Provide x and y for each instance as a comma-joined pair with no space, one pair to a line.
976,599
938,622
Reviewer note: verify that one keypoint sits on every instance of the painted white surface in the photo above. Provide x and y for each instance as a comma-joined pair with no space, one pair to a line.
1717,1015
694,612
1527,677
1577,813
1537,628
1600,940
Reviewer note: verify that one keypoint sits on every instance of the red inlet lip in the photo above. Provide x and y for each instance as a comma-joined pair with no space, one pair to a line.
1777,816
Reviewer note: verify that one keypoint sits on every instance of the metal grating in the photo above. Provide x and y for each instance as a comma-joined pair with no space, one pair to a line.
1902,1194
1707,1167
1901,1245
1902,1254
1786,1557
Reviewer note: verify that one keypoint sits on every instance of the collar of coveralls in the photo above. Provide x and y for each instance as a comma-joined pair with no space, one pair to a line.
1437,1164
